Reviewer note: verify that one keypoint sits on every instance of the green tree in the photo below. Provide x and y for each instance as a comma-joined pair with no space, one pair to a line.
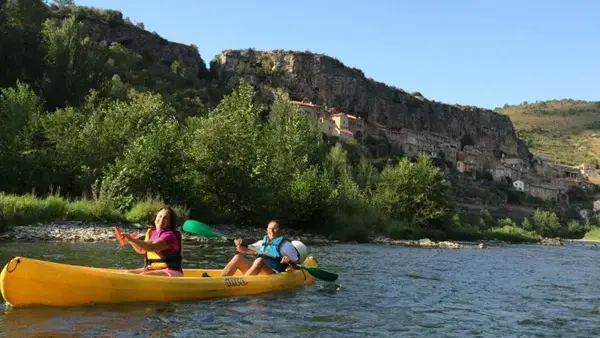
486,220
546,223
349,213
150,165
413,192
526,224
63,145
20,42
308,198
367,176
223,147
178,69
91,138
337,168
18,107
74,64
291,145
6,56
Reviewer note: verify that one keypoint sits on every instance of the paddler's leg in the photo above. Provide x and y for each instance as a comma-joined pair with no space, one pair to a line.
237,262
258,266
163,272
140,270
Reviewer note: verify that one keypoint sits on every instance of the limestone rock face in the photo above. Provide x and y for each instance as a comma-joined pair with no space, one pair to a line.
111,27
326,81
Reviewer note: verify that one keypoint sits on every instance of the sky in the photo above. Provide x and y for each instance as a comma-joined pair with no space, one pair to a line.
483,53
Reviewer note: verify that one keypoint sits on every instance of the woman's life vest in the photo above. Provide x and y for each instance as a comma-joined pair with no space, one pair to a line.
270,251
161,260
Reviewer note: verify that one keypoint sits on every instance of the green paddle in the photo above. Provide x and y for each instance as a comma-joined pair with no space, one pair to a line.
315,272
201,229
318,273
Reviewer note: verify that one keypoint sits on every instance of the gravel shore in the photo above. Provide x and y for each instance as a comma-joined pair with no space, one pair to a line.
74,231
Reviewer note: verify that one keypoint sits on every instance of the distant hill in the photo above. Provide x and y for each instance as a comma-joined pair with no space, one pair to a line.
564,131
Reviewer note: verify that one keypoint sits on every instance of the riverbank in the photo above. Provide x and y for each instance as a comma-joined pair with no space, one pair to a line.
78,231
55,218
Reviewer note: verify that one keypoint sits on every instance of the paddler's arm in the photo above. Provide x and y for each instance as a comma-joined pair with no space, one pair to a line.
144,246
243,248
137,248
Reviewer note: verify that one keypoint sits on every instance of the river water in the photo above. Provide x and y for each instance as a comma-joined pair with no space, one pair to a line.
383,291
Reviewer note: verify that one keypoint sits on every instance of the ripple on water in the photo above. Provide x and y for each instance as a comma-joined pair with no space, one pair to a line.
383,291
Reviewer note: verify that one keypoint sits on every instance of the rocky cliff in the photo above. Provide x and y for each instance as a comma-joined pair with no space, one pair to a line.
110,26
325,80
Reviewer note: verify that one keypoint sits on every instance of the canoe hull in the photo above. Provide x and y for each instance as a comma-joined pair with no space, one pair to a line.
25,282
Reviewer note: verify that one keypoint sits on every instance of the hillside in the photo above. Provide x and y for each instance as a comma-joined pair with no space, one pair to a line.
145,61
325,80
564,131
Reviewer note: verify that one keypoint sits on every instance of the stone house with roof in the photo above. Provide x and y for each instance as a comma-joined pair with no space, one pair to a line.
310,109
512,161
500,172
543,191
349,123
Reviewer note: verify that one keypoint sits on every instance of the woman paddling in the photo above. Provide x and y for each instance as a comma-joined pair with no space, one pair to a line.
161,246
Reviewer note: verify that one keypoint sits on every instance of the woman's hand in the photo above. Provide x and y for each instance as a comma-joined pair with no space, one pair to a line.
286,260
127,237
238,245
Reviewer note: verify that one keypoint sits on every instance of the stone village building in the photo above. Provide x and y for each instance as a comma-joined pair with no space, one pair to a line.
348,126
514,162
544,191
501,172
545,180
310,109
412,143
336,124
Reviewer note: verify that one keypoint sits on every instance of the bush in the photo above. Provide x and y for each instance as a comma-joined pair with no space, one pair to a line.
592,235
413,191
574,229
150,164
510,233
27,209
546,223
84,210
486,221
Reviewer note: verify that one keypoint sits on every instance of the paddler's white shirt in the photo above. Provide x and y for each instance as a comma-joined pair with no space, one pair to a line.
286,249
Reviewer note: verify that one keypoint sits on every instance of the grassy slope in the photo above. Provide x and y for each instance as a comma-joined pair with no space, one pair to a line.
563,131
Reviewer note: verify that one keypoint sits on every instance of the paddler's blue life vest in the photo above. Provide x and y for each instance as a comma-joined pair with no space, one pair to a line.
272,249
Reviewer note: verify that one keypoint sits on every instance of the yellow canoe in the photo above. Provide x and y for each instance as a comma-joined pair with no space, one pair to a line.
26,281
